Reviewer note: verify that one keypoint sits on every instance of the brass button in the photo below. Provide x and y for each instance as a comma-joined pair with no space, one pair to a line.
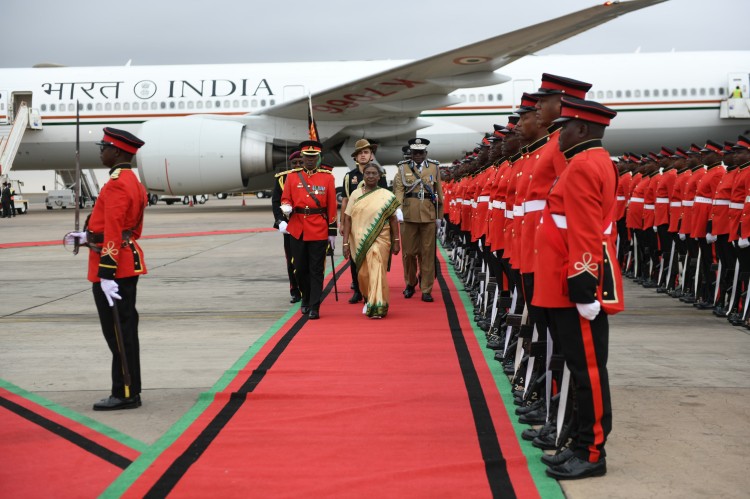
605,293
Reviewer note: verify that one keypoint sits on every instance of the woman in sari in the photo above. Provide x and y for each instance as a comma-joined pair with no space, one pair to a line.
370,237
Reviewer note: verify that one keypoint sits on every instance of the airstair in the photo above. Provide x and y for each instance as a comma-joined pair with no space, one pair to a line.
10,142
89,184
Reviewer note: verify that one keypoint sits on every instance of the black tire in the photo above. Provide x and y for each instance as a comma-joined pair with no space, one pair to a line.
221,195
170,203
260,194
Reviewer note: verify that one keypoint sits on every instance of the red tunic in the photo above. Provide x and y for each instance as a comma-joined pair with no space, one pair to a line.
688,199
720,210
118,211
311,227
675,201
479,208
704,195
663,193
497,224
737,202
623,192
634,218
522,184
649,202
510,198
573,242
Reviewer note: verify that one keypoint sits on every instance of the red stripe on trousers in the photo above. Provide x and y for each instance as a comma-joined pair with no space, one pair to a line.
596,387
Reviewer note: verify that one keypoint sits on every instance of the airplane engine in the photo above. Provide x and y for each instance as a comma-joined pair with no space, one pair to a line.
199,155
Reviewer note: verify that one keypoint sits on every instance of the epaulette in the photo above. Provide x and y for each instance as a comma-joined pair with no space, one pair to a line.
433,161
115,174
287,172
323,170
404,162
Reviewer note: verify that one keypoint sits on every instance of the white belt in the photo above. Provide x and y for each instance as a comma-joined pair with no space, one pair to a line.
736,206
648,207
561,221
498,204
690,203
466,202
702,200
636,200
473,204
675,204
509,214
721,202
621,198
662,200
536,205
483,199
747,199
489,207
518,210
459,200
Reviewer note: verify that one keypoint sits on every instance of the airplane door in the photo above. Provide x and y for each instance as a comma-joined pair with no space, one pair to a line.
293,92
4,119
519,87
741,80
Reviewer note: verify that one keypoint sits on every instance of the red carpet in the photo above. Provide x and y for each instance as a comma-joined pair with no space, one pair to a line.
44,454
352,407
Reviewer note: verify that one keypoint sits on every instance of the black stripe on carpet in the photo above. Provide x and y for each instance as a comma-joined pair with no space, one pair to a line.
75,438
494,462
180,466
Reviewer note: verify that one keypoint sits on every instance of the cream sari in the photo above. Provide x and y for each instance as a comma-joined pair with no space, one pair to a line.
370,243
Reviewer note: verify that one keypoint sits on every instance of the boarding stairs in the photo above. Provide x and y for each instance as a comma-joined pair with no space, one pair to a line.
89,184
735,108
10,139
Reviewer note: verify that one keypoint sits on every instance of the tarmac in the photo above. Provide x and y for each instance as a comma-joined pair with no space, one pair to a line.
680,377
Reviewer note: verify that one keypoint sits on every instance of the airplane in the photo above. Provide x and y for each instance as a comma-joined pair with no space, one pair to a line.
225,128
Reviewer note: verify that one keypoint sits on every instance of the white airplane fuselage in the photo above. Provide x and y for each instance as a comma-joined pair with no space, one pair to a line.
669,99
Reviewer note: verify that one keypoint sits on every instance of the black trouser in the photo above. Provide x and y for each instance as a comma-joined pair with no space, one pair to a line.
309,266
665,241
293,287
726,255
624,243
647,240
743,260
6,208
129,330
518,284
585,346
705,288
692,254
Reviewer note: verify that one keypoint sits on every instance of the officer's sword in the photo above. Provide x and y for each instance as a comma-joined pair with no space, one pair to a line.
121,348
333,273
77,222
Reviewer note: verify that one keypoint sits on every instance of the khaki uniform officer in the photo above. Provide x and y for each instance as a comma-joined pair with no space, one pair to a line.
419,191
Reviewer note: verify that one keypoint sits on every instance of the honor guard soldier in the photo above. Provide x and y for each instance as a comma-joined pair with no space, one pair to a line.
364,152
309,200
115,263
281,221
579,281
418,189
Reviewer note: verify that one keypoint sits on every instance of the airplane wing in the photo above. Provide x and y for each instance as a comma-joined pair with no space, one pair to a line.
407,90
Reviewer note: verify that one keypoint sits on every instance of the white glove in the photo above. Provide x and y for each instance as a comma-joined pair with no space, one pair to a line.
286,209
282,227
710,238
743,242
70,238
332,242
110,289
589,311
655,228
399,215
682,237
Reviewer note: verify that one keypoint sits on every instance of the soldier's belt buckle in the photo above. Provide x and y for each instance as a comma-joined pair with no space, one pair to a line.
421,195
307,211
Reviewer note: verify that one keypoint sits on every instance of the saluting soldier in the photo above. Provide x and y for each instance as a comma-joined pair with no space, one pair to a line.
309,200
418,189
578,279
364,153
116,261
281,221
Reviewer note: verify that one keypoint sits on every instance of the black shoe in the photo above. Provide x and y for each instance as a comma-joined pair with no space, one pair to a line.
356,297
661,290
530,433
304,310
494,343
703,305
719,311
575,468
409,292
295,299
112,403
427,297
546,441
559,458
538,416
314,314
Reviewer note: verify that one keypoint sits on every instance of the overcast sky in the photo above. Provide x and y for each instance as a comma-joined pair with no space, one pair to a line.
96,33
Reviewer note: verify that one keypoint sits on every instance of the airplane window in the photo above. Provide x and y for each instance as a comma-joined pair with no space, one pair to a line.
107,106
98,106
480,98
711,91
254,103
637,93
89,107
208,104
721,91
44,107
674,92
262,102
126,106
163,105
244,102
272,102
627,93
599,94
619,93
499,97
472,98
181,105
683,92
703,91
199,105
235,103
665,93
693,91
51,107
609,94
490,97
190,104
154,105
217,104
